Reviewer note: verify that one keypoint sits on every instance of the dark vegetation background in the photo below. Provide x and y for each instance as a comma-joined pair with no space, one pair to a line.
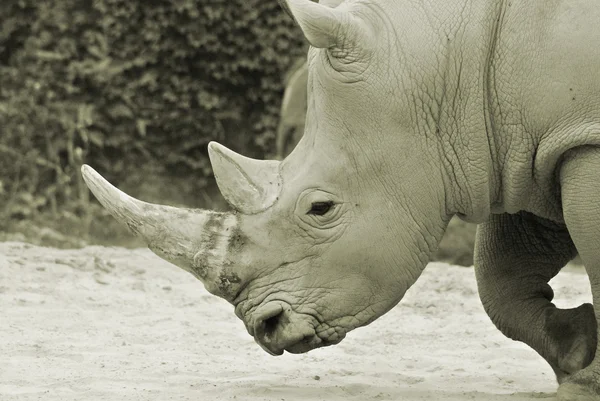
136,89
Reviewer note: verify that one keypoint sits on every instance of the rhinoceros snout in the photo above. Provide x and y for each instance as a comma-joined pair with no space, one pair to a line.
277,328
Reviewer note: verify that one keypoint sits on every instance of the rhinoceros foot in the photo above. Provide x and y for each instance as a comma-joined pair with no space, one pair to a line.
581,386
579,355
574,332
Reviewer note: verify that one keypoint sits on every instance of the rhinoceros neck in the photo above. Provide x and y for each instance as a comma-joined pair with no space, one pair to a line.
542,97
464,126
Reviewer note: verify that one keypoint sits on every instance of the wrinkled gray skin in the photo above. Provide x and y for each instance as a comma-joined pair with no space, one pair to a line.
417,111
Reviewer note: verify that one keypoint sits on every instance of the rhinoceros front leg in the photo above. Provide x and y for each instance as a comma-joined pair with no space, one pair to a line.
579,178
515,258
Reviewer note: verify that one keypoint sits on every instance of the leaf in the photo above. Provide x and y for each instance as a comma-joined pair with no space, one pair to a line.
96,138
141,127
120,110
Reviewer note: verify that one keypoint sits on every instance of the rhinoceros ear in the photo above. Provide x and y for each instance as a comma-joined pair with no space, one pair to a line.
323,26
249,185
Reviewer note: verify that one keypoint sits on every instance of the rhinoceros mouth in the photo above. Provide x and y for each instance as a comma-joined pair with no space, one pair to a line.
276,327
294,347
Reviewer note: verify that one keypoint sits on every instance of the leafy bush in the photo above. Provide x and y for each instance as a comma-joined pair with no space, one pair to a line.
137,89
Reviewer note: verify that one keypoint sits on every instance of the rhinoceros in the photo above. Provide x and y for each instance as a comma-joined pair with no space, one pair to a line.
417,111
293,110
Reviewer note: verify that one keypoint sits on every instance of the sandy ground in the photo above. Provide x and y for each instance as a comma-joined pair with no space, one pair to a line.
114,324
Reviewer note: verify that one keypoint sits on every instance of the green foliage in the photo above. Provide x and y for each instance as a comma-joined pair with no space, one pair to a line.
135,88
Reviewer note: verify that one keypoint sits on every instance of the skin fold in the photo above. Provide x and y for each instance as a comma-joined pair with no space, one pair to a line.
416,112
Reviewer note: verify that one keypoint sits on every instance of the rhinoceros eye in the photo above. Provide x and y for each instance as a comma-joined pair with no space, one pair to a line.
320,208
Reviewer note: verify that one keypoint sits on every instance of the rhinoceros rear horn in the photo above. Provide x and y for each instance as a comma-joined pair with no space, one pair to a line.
195,240
324,24
250,186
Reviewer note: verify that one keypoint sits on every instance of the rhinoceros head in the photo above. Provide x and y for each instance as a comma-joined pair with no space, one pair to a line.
331,237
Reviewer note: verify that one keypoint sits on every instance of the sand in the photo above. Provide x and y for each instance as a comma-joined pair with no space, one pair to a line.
115,324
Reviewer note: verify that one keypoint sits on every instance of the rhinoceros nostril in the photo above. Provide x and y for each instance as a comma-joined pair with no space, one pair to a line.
265,334
266,320
270,325
277,328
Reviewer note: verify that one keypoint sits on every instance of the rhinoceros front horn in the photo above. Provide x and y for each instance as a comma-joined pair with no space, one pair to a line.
194,239
249,185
